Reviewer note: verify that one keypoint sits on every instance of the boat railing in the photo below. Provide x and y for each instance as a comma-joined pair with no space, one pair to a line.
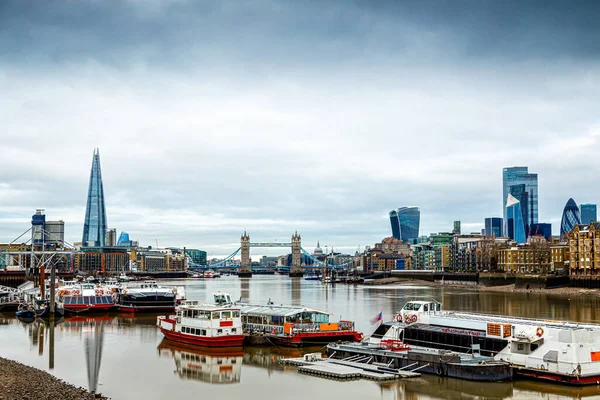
521,320
260,328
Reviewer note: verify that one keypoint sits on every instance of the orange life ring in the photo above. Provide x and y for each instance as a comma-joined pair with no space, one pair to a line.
539,331
413,318
75,291
99,292
407,320
398,317
273,331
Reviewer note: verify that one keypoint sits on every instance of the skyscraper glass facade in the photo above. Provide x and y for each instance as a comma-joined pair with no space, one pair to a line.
493,226
521,176
588,213
570,218
541,229
515,224
405,223
94,225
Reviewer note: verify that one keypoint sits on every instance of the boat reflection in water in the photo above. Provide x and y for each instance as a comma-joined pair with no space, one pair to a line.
270,357
210,365
450,388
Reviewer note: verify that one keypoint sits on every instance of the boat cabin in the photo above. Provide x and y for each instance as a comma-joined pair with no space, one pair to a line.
288,320
422,306
194,318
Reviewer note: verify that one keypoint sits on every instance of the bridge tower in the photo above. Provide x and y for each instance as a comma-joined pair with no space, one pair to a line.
245,264
296,267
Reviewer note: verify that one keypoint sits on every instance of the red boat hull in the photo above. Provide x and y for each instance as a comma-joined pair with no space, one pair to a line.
219,341
558,378
313,338
81,308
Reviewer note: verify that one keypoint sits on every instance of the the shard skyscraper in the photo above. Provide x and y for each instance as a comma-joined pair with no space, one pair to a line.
94,226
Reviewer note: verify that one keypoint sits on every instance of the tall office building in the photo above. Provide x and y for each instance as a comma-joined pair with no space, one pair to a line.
94,225
570,218
493,227
515,225
541,229
588,213
456,228
405,223
520,176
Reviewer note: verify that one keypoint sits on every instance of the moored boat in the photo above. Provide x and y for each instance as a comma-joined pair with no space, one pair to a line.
86,297
559,351
146,297
293,326
206,325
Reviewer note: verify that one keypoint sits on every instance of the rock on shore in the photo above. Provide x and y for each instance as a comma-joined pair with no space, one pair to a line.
18,381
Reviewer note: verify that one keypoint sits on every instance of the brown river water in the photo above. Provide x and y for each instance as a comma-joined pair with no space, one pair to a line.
126,357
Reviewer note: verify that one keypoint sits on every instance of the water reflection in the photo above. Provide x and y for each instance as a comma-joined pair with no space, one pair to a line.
216,366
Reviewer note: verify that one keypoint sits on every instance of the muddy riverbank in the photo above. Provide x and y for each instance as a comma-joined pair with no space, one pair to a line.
18,381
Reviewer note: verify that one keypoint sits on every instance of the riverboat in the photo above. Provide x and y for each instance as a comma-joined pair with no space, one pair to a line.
293,326
200,324
86,297
558,351
147,296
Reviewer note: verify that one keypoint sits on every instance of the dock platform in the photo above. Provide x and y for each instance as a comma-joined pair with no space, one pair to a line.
346,370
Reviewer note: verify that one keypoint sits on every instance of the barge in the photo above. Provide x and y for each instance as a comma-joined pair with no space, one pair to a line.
293,326
146,297
557,351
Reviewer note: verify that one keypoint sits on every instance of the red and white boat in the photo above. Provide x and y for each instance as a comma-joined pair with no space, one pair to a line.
86,297
209,325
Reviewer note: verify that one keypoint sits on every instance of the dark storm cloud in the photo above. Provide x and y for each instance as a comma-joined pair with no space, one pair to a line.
271,116
268,35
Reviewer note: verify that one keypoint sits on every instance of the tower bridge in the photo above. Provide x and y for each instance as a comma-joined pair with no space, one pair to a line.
296,269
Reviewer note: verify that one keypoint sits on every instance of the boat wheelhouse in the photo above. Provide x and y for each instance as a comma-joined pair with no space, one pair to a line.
147,296
86,297
293,326
206,325
559,351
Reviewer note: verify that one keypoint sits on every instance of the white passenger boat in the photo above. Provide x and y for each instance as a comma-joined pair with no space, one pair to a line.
209,325
559,351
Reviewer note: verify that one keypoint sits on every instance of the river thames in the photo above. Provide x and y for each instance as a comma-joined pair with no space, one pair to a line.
126,357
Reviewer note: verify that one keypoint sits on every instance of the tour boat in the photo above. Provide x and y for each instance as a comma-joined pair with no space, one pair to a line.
147,296
293,326
559,351
209,325
207,364
86,297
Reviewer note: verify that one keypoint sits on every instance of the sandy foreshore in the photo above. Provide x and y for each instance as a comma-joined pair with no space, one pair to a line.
563,291
18,381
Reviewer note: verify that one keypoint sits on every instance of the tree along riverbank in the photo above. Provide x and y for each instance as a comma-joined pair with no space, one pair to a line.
18,381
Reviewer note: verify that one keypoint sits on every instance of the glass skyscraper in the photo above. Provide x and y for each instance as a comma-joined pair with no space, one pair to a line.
94,225
493,226
515,224
588,213
520,176
405,223
570,218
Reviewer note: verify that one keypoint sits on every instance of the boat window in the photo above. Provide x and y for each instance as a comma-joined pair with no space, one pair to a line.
219,330
235,314
233,330
425,307
67,300
318,318
216,315
438,307
203,332
86,300
408,307
225,314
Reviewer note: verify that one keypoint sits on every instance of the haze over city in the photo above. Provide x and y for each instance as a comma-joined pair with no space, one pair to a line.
272,117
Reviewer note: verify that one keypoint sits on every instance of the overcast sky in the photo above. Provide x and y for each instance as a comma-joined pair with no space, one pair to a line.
274,116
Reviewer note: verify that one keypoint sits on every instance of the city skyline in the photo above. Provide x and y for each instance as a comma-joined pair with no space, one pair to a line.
285,121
